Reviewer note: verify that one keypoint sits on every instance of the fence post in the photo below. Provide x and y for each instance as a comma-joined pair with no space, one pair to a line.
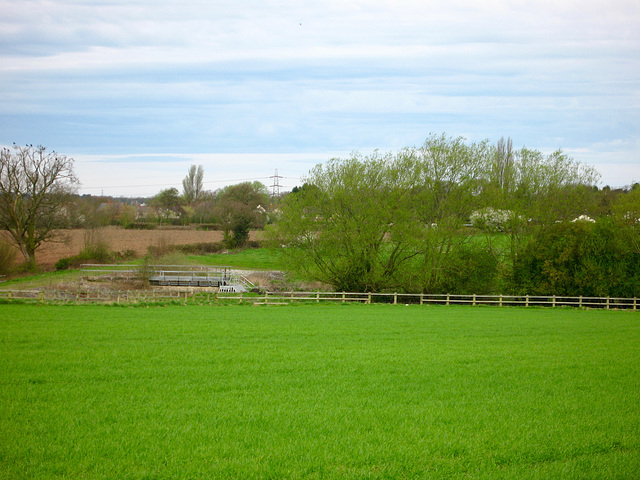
343,297
395,298
634,302
526,301
421,299
554,301
474,299
447,299
607,303
317,297
240,301
369,298
500,300
580,302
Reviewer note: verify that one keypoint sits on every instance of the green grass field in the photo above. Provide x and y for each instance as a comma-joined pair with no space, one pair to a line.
342,391
250,258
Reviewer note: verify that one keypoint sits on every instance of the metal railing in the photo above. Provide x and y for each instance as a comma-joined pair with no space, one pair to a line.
172,275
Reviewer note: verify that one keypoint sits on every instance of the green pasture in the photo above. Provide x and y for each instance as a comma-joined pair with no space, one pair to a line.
337,392
250,258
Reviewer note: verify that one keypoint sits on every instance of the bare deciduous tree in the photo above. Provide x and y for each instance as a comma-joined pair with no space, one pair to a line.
34,187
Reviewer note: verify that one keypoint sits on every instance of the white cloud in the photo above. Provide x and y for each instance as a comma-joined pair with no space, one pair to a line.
159,76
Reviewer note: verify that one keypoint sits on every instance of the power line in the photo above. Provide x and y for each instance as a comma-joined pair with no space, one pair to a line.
175,183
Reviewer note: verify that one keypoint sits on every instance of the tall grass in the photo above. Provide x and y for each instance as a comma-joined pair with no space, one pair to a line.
8,254
318,392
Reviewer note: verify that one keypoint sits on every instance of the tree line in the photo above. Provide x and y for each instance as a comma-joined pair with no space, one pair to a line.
450,216
234,209
38,198
457,217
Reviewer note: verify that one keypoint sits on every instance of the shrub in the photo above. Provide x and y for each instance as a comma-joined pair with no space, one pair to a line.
161,248
467,268
64,263
140,226
208,227
97,252
581,258
239,234
201,248
7,257
128,254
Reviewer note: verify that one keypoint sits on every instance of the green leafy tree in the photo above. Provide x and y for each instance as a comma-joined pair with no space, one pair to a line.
626,206
35,186
128,215
582,258
397,221
239,208
168,205
351,225
537,191
450,174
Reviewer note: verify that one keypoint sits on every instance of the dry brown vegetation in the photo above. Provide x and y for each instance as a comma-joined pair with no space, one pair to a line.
71,242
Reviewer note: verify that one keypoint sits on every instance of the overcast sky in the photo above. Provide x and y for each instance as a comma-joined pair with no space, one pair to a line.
137,90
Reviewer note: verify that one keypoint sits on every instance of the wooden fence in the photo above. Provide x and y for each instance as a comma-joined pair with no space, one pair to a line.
273,298
97,296
280,298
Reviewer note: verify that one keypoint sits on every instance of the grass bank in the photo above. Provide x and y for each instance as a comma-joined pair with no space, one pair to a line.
344,391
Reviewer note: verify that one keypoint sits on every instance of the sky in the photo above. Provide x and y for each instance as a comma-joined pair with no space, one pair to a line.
136,91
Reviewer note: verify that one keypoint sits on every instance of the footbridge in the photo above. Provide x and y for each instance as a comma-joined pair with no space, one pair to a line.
225,278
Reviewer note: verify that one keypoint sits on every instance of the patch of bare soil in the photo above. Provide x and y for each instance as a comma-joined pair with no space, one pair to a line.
271,280
277,281
71,242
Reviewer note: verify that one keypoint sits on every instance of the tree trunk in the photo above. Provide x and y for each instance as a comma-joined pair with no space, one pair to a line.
29,255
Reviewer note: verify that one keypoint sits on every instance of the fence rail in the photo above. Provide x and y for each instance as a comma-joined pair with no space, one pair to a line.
446,299
280,298
96,296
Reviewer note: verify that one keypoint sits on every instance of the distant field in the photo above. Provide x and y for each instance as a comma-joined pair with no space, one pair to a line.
70,242
342,391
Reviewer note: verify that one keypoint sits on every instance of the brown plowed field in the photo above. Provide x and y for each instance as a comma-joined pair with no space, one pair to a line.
72,242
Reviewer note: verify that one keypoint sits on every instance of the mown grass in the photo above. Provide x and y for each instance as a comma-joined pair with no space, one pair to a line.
344,391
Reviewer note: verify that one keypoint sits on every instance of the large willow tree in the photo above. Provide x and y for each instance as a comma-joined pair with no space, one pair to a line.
351,223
